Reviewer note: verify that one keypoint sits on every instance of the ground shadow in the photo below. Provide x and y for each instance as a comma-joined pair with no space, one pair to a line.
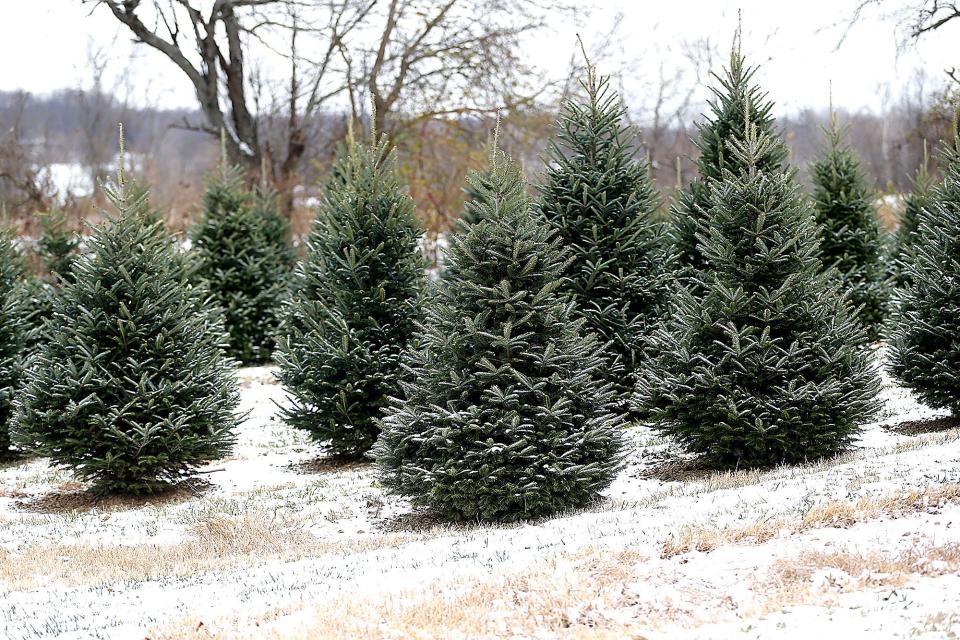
930,425
684,470
327,464
69,499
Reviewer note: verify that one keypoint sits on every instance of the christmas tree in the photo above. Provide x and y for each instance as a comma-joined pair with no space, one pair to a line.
57,246
503,416
132,390
244,254
723,128
914,203
850,237
354,304
766,364
603,205
925,354
14,330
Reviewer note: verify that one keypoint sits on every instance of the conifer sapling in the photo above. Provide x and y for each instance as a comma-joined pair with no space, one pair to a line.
132,390
354,304
503,416
925,350
766,364
603,205
851,239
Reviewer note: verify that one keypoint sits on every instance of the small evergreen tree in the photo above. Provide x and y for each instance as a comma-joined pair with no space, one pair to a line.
13,334
918,198
57,246
132,389
244,254
723,128
766,364
503,417
850,237
925,352
604,207
354,303
473,206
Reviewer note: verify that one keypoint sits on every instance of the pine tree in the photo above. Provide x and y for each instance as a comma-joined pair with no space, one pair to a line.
604,207
925,353
850,238
13,333
766,365
244,254
132,390
723,129
918,198
503,417
354,304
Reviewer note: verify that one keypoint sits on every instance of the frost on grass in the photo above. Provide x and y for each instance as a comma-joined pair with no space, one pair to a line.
280,535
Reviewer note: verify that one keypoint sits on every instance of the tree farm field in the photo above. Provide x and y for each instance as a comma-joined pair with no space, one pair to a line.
275,541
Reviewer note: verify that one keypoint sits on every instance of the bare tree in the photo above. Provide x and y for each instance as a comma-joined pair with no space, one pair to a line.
211,48
24,186
446,58
914,19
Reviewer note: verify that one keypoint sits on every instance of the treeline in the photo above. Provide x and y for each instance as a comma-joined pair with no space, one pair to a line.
70,131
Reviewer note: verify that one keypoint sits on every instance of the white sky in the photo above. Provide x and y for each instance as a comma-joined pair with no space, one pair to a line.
43,45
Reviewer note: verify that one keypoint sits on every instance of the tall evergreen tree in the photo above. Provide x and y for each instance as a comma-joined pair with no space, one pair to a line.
132,390
918,198
766,364
925,352
718,134
244,254
14,331
503,417
603,205
850,239
354,304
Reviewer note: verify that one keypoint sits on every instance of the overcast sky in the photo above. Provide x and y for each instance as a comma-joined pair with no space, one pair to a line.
43,44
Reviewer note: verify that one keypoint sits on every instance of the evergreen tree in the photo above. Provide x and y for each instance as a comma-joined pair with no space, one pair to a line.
925,352
918,198
473,205
354,304
13,333
766,364
604,207
57,246
132,390
503,416
244,254
723,129
850,237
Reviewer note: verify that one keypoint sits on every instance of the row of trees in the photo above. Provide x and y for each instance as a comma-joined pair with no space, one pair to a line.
743,329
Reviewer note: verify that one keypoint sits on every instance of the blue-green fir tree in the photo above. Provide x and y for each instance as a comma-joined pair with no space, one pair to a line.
14,333
765,363
244,255
924,347
850,236
505,414
722,130
131,390
355,302
601,200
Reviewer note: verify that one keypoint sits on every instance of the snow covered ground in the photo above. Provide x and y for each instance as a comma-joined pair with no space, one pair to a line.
273,542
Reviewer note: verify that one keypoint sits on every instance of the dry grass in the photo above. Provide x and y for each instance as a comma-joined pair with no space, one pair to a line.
565,597
587,595
217,543
832,514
